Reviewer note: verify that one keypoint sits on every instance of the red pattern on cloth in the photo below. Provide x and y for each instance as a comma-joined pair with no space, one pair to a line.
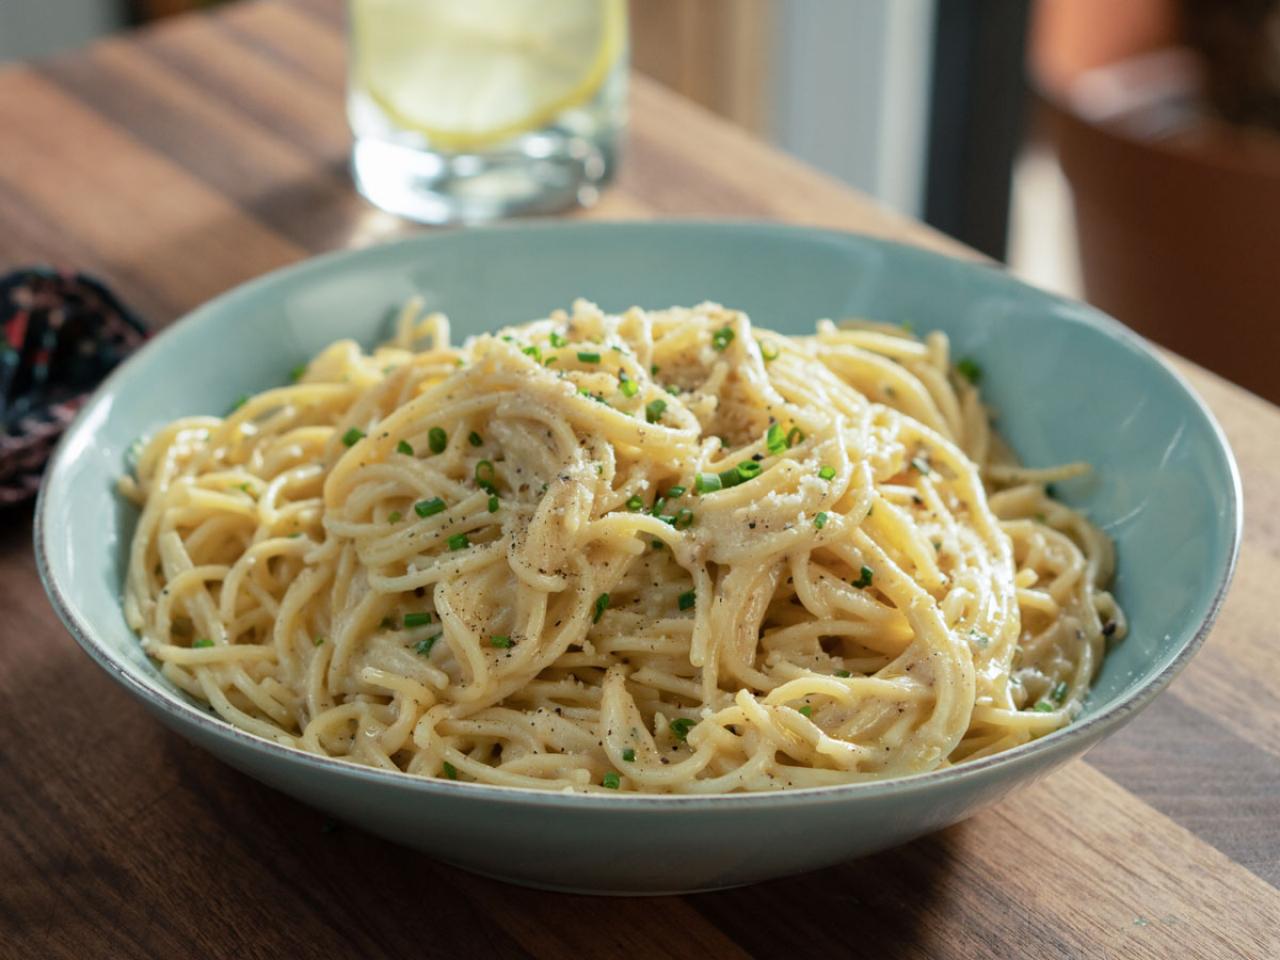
63,332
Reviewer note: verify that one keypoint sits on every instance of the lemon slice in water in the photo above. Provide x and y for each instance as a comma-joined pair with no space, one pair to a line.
470,73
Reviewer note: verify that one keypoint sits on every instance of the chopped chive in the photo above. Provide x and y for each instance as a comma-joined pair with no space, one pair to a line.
418,619
534,351
1044,706
393,516
628,386
865,576
654,409
317,641
820,520
585,356
681,727
794,435
683,519
672,389
656,509
557,340
507,338
827,473
980,639
437,439
239,402
602,601
424,645
730,477
686,600
486,476
475,439
353,436
775,440
653,369
843,674
768,350
202,642
554,358
969,369
721,339
805,711
502,643
675,492
1059,692
611,781
450,770
403,447
493,503
635,503
298,372
746,470
707,482
628,755
458,541
429,508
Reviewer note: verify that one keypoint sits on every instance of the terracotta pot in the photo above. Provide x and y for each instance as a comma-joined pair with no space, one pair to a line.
1179,232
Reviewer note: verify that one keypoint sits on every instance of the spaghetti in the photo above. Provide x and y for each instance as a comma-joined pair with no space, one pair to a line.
659,551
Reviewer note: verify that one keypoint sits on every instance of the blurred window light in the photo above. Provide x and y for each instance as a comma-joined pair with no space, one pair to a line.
851,92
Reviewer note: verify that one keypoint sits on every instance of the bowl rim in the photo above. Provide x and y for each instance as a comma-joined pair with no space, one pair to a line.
1060,744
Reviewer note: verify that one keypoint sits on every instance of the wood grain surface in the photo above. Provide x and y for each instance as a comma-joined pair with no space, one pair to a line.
182,160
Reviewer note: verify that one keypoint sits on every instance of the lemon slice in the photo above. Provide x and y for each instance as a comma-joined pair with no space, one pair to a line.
470,73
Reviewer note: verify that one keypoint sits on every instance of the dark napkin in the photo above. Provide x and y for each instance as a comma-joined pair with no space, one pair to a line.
63,332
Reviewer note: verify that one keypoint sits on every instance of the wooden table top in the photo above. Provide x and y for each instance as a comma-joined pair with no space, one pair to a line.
179,161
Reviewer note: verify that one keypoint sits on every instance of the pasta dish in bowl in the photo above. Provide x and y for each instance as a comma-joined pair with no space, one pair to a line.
641,599
654,551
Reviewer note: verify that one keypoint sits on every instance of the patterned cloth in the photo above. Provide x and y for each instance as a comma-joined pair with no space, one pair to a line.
63,332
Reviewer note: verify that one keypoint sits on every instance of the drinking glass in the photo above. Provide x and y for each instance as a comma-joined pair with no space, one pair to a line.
470,110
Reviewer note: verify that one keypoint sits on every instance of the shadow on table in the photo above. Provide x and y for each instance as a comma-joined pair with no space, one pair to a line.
877,906
382,900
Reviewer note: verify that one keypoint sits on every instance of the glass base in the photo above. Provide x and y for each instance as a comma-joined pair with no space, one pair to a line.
538,173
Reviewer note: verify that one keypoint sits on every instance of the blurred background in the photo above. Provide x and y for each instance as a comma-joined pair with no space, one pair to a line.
1127,153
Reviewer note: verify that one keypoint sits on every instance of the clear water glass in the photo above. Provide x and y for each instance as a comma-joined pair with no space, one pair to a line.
560,158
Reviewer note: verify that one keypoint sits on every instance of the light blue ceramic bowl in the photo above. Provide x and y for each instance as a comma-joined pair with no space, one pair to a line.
1069,383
